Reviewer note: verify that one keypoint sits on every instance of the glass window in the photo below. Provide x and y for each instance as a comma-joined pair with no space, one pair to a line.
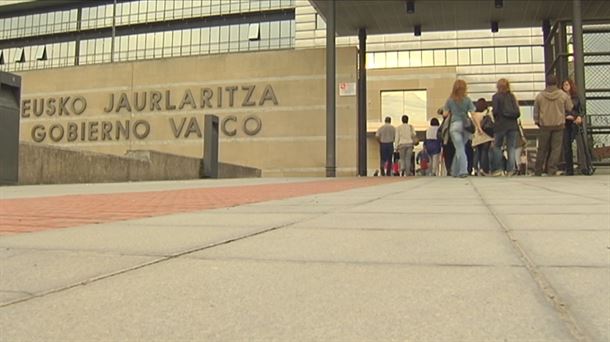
463,57
513,55
396,103
427,58
525,53
186,37
274,30
488,56
320,23
254,32
403,59
234,33
452,57
538,54
380,60
415,59
476,57
391,59
500,55
439,58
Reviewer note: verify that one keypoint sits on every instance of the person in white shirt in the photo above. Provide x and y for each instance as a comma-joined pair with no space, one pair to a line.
404,141
386,135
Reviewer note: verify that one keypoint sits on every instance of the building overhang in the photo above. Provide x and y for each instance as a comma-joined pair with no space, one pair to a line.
390,16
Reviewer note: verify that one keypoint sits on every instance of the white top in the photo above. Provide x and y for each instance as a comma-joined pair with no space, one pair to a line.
404,135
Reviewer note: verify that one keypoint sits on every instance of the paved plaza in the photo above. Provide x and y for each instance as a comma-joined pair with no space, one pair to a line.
348,259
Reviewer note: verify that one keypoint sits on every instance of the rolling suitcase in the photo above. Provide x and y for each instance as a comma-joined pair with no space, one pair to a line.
584,154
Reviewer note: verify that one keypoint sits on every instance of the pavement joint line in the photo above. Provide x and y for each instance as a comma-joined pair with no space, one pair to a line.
604,267
394,229
561,192
353,262
543,283
19,292
76,251
164,259
136,267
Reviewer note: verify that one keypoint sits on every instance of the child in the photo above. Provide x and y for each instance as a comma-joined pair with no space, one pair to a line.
432,145
424,162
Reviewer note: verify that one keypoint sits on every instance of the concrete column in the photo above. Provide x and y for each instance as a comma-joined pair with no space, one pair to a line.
331,166
362,102
579,58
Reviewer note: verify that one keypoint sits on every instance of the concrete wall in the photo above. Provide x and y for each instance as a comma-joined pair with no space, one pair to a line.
292,138
43,164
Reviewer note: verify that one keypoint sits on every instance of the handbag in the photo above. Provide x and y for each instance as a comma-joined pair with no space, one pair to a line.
469,125
522,138
443,132
414,136
488,125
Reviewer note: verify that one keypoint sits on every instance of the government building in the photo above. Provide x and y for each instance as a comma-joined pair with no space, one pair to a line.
113,76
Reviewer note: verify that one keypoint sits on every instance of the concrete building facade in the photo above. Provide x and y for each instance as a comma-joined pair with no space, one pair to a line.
139,74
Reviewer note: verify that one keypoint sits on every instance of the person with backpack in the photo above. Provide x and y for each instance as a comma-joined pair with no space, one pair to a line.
506,129
550,108
432,144
405,139
573,119
458,107
483,136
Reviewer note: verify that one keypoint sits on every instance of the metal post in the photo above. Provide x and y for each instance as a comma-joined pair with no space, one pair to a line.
579,59
548,48
330,91
362,102
113,31
562,47
210,146
79,20
10,100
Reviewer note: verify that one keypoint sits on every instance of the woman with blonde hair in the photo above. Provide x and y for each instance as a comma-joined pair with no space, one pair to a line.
506,129
458,107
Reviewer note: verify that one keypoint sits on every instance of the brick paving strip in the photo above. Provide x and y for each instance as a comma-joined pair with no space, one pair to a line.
41,213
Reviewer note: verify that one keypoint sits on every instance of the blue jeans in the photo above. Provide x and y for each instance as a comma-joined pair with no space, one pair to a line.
481,159
511,146
385,164
459,137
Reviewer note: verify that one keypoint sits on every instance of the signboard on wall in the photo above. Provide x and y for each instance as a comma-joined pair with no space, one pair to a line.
347,89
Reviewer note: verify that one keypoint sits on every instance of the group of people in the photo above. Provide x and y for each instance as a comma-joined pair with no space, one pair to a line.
474,139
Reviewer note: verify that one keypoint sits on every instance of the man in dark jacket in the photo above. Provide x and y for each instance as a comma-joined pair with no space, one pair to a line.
550,107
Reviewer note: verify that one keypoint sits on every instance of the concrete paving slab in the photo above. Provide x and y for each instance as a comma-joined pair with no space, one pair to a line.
38,271
421,208
411,247
123,238
265,208
234,301
553,209
400,221
567,248
26,191
574,222
11,296
586,291
219,218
